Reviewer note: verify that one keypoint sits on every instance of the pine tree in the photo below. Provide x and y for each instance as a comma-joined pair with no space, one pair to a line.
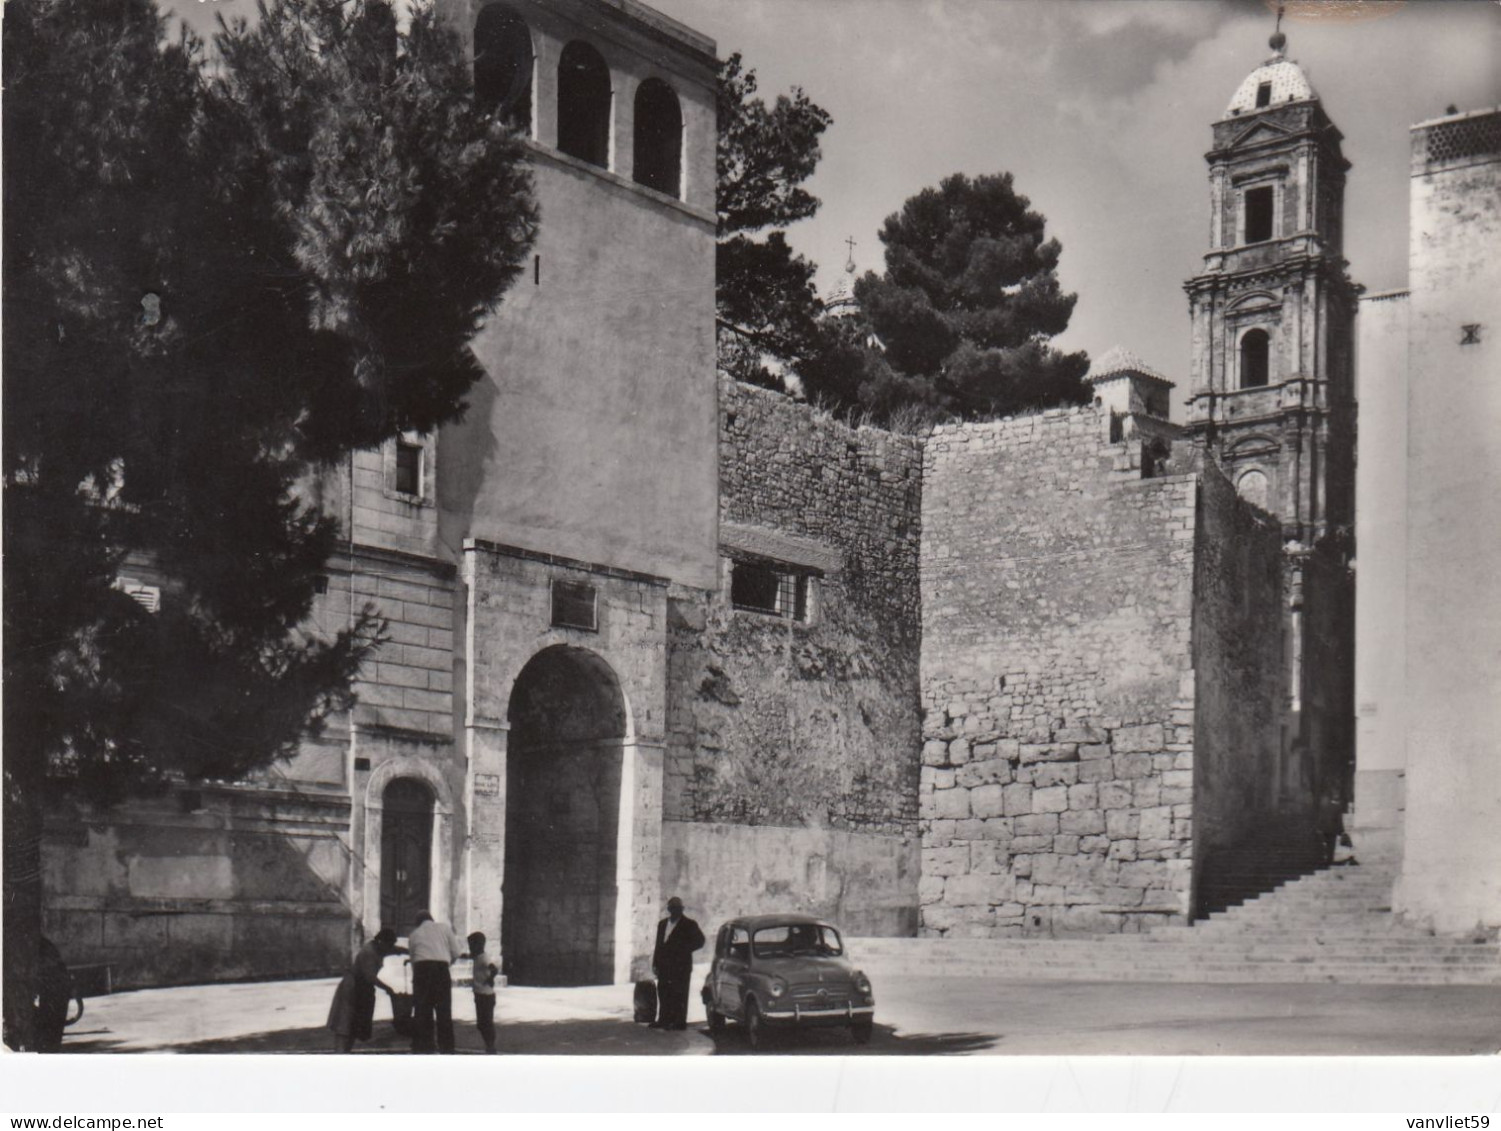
222,274
964,311
767,305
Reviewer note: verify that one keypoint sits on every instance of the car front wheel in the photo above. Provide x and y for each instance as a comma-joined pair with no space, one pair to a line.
755,1028
861,1031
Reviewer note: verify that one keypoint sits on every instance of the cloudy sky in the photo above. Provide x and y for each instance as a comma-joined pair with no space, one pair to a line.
1102,111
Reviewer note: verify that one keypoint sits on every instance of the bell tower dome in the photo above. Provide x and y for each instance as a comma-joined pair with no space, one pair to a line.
1273,309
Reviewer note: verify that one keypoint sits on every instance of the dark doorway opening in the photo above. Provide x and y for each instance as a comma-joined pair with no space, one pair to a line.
1259,209
406,853
1255,359
565,758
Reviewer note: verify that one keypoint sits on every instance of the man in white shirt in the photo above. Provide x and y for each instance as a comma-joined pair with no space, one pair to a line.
434,948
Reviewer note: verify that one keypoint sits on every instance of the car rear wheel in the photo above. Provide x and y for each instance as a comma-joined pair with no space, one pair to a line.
716,1020
755,1028
861,1031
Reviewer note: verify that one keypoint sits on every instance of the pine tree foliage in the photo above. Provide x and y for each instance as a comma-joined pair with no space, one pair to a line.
964,311
767,305
224,271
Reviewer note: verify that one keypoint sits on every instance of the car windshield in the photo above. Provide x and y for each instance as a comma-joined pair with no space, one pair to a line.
787,939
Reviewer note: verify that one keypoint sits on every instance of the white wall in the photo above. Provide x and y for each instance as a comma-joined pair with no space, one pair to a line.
1451,875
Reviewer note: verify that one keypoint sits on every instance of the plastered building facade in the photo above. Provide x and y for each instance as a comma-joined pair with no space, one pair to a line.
654,633
1428,782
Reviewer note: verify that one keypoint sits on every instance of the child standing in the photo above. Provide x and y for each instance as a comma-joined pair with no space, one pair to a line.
484,989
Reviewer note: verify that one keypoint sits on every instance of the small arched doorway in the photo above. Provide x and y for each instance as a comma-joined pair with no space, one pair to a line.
406,853
565,765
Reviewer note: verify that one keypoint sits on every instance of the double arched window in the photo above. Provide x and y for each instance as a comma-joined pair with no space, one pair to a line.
1255,359
503,66
659,138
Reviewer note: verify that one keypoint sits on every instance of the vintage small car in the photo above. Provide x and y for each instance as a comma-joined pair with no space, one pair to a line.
784,972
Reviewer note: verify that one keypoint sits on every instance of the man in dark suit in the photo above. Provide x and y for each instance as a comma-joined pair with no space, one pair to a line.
672,962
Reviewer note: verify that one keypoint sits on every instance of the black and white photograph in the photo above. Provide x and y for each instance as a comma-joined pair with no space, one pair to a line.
778,529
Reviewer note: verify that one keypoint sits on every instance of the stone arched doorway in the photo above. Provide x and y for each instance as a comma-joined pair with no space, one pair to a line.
406,853
565,765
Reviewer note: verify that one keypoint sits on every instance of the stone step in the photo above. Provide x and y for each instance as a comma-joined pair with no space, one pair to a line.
1201,965
1061,954
1218,975
1488,974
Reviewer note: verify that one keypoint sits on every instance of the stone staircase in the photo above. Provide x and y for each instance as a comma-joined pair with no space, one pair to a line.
1334,926
1281,851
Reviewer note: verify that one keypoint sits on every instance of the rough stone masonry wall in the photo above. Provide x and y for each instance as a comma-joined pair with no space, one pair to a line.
792,761
1056,790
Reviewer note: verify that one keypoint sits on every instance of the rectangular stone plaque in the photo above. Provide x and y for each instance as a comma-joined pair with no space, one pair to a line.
487,785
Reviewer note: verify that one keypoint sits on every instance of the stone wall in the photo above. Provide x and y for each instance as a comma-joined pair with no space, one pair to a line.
805,734
204,885
1240,681
1056,791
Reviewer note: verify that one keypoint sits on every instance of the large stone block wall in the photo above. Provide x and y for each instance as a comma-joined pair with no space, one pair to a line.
1057,683
1241,684
802,734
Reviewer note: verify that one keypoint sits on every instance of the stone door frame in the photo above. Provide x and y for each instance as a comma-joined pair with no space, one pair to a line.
507,625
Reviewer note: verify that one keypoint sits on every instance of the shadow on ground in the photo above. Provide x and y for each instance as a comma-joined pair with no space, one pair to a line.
603,1037
837,1042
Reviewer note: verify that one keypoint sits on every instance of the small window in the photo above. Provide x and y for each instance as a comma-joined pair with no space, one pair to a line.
740,944
1255,350
503,66
149,597
1259,214
574,605
659,138
764,587
1263,95
408,468
584,104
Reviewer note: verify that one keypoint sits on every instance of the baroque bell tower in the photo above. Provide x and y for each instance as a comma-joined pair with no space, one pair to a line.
1272,385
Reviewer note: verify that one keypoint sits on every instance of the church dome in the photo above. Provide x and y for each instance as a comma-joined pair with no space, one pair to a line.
841,299
1118,361
1283,78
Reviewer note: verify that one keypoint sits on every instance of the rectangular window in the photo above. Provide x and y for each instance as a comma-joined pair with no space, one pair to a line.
766,587
408,468
1259,202
1263,95
575,605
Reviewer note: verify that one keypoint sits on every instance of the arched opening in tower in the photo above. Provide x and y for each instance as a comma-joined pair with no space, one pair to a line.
503,66
659,138
1255,359
584,104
